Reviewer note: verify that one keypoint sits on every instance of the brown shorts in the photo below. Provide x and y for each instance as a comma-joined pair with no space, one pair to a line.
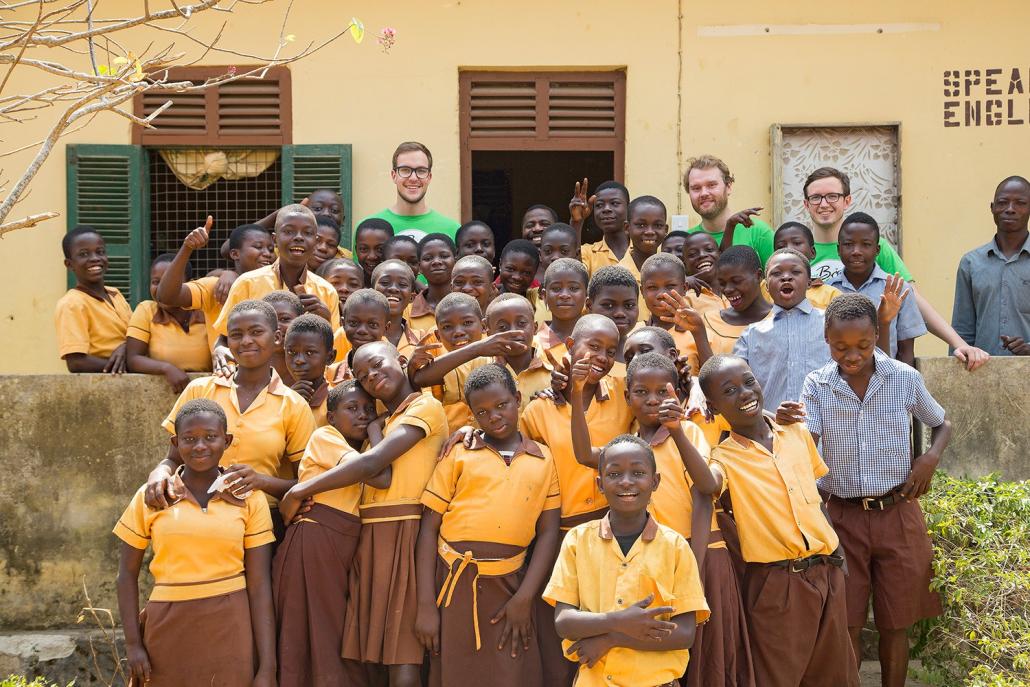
889,556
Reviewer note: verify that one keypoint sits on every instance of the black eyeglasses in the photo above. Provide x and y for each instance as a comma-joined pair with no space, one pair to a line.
830,198
406,172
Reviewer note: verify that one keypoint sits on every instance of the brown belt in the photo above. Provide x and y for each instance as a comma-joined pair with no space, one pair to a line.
875,502
797,565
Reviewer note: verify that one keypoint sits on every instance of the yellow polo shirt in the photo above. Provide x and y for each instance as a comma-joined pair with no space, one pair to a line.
775,500
198,553
547,341
327,449
202,298
722,336
706,302
420,315
168,342
534,378
598,255
476,492
593,575
91,325
627,261
340,344
451,393
259,283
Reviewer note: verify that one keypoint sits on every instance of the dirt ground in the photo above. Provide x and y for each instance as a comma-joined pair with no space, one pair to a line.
870,676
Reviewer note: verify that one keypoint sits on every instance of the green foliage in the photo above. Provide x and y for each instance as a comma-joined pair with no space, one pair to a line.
19,681
981,534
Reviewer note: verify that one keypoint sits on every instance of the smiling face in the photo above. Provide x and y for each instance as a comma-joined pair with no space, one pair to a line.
858,245
326,203
600,344
364,323
474,280
513,315
647,228
610,207
617,303
517,272
257,249
477,240
327,243
252,339
825,214
395,282
739,285
640,342
852,343
88,259
284,315
658,280
369,249
709,193
674,245
700,252
307,356
377,368
646,393
533,224
1011,207
627,478
496,410
411,190
346,278
565,294
733,392
352,414
557,244
295,238
436,263
787,280
201,439
405,251
792,237
458,326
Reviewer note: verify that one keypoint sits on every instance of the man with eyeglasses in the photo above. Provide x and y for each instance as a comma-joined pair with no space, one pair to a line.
827,193
410,213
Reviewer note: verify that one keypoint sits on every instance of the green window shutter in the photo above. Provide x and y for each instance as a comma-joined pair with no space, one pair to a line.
310,167
106,190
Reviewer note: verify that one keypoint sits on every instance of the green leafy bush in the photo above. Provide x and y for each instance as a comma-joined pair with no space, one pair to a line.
19,681
981,534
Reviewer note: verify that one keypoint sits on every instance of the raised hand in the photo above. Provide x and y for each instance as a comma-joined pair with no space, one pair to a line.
790,412
199,236
670,412
683,316
894,294
312,303
580,206
742,217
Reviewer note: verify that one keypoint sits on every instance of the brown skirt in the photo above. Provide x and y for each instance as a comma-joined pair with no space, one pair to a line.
728,527
459,663
309,585
380,622
200,642
721,655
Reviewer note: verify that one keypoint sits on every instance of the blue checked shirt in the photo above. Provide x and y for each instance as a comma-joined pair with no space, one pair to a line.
867,443
908,324
781,350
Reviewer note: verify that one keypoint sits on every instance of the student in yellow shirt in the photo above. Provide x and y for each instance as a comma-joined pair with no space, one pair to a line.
626,590
166,341
471,558
436,255
309,573
474,275
366,317
609,205
379,629
565,293
287,308
647,224
794,577
739,274
614,292
308,348
91,318
327,243
394,279
559,241
344,275
211,606
663,276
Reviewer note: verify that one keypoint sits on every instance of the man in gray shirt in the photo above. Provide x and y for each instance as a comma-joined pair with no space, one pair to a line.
992,288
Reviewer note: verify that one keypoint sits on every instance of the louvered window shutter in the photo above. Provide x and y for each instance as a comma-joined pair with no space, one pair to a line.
105,190
310,167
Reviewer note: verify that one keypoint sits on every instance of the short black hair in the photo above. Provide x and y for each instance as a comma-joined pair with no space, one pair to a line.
261,307
651,361
663,336
805,231
464,228
521,247
627,439
606,185
372,224
586,321
540,206
310,322
504,298
660,260
713,365
860,218
381,267
561,228
286,297
187,271
457,299
337,393
400,238
477,260
849,307
675,233
612,275
367,297
792,252
81,230
199,406
436,236
327,221
739,256
652,201
238,234
567,264
487,375
1016,178
327,266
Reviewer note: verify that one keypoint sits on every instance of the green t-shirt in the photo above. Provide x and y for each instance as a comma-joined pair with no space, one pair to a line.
759,236
418,226
827,261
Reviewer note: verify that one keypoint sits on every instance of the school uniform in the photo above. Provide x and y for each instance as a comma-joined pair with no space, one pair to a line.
866,444
271,433
536,377
451,393
319,404
419,314
409,339
379,626
541,313
794,593
309,573
685,344
547,341
908,324
722,336
340,344
598,255
593,574
819,296
783,348
706,301
91,325
627,261
202,299
167,341
476,490
196,626
258,283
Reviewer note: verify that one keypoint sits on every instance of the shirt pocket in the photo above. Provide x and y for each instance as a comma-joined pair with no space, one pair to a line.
806,483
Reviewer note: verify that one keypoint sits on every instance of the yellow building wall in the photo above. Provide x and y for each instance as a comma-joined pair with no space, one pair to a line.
737,80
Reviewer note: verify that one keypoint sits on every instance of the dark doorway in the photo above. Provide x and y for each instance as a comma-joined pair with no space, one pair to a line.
506,182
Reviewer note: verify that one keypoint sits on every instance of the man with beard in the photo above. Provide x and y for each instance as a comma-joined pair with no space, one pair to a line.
412,171
709,183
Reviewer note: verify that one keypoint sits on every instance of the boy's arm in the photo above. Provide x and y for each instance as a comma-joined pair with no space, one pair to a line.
83,362
743,217
138,360
972,356
502,343
427,620
172,290
257,563
636,621
682,637
923,467
700,524
907,351
585,453
580,208
672,416
128,608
